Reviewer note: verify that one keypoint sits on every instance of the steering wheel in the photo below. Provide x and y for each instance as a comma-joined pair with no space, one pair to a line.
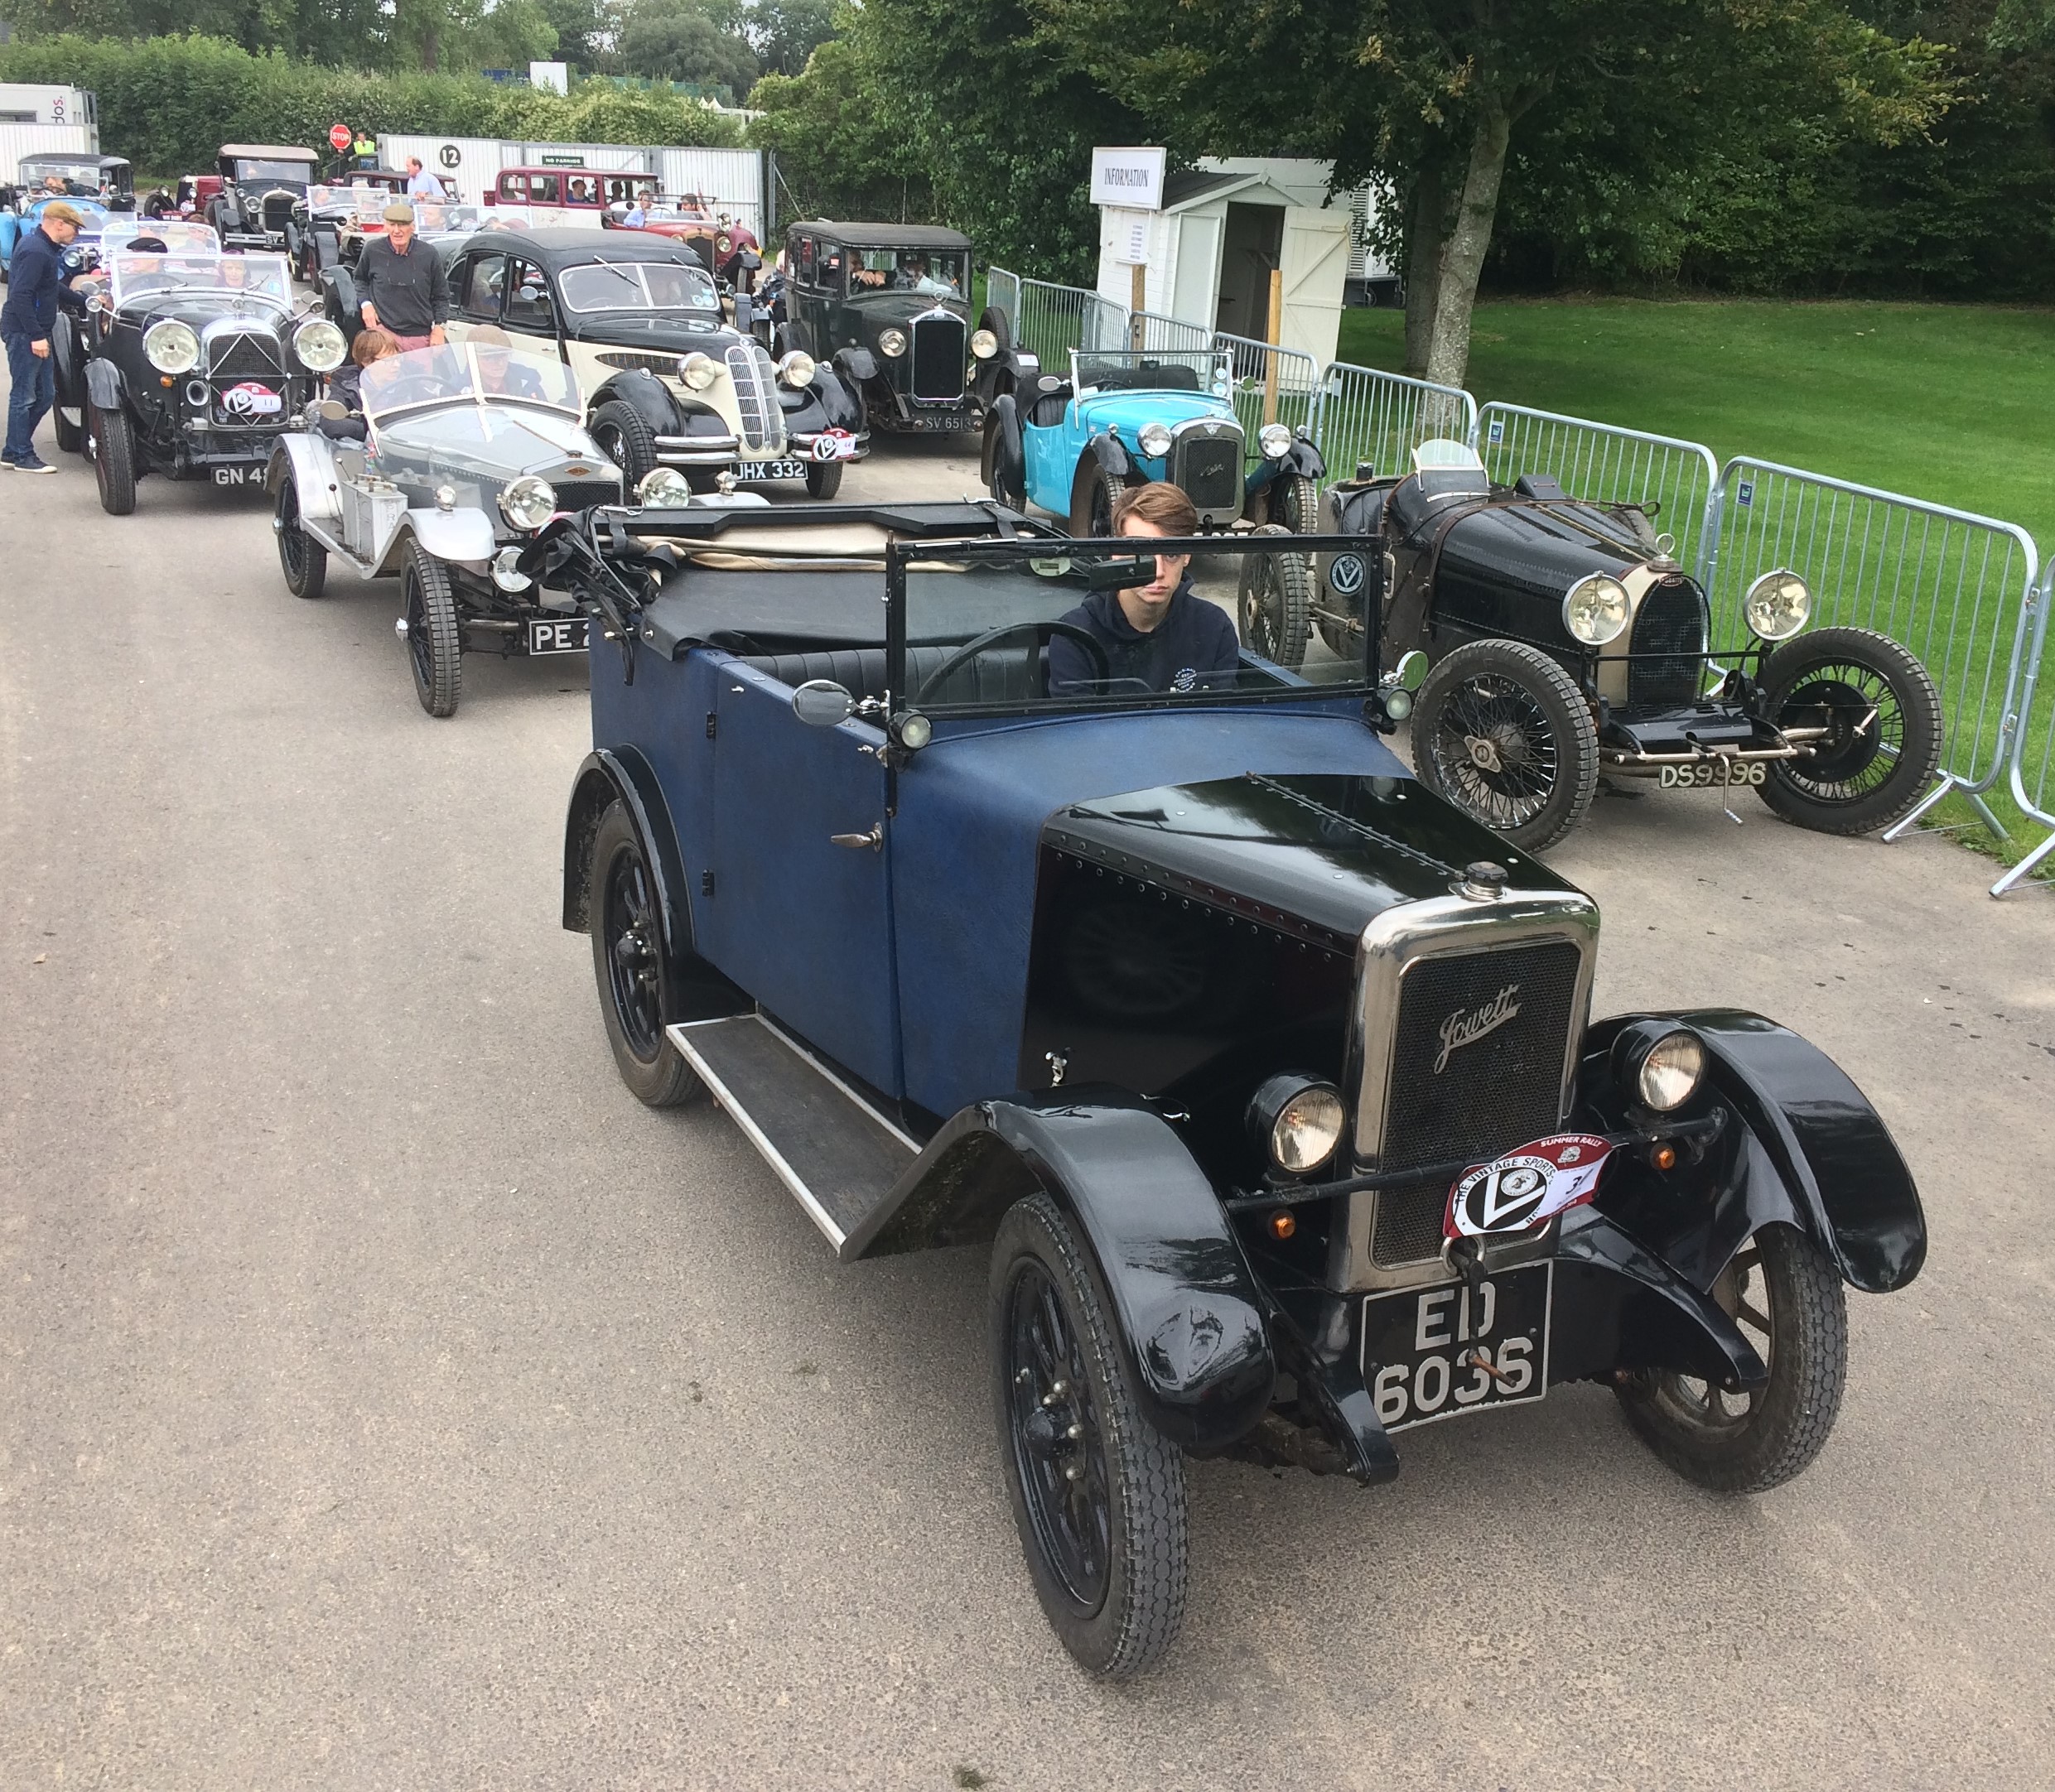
1039,633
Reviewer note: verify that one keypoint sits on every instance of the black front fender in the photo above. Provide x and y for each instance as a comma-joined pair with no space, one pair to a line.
1192,1333
1801,1146
1112,457
835,404
645,394
103,384
856,365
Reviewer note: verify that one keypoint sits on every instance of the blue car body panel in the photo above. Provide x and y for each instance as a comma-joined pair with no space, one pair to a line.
1052,452
13,227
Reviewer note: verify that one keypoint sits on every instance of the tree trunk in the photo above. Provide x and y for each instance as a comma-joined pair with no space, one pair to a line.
431,42
1463,256
1426,230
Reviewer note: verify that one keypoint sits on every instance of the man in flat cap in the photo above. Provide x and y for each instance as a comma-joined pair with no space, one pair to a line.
33,279
402,287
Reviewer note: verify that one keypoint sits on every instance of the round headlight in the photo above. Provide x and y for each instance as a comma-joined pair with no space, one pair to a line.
506,570
1155,439
1398,703
529,502
319,346
1275,439
984,345
1595,608
912,730
892,343
170,347
666,487
1298,1120
699,370
1659,1066
1778,605
797,368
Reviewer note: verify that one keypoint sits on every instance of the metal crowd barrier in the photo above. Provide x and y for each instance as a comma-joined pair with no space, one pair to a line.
1053,320
1952,586
1002,293
1607,464
1269,384
1365,416
2030,789
1153,332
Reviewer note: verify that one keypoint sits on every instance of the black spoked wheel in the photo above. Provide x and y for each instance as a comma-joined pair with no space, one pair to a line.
1882,715
304,560
1097,1495
824,477
434,637
629,964
626,438
1006,478
1092,497
113,447
1295,504
1788,1302
1503,732
1276,603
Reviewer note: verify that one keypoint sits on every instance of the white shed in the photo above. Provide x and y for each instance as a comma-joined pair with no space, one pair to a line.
1223,227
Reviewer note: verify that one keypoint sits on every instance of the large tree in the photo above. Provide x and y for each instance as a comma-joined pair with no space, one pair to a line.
699,41
1433,94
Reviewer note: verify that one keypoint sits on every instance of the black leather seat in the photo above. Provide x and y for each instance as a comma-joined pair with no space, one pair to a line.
1000,676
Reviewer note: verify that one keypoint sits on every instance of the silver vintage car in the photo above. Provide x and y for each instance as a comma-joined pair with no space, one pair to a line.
460,454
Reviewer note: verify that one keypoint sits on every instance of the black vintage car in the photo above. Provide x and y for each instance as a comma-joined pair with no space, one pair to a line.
667,382
187,364
262,184
1267,1078
1566,642
108,180
889,306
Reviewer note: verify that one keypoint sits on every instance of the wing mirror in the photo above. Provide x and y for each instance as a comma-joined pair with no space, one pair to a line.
821,703
331,410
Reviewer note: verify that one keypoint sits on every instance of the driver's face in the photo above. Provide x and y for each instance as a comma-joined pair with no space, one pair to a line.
1170,567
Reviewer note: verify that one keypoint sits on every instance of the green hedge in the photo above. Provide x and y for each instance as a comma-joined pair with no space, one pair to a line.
168,103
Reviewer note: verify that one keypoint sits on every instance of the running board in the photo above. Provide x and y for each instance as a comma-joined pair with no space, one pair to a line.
837,1153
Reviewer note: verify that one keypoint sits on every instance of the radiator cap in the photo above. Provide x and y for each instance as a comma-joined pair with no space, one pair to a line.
1483,881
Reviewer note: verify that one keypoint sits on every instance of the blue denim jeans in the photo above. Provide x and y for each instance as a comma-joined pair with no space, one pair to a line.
33,391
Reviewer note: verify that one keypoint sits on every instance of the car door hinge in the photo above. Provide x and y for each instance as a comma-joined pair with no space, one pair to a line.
712,721
705,882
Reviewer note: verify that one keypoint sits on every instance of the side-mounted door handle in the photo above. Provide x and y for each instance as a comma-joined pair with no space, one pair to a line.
874,840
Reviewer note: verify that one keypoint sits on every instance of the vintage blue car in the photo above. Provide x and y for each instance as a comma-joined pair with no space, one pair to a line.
14,226
1267,1078
1069,446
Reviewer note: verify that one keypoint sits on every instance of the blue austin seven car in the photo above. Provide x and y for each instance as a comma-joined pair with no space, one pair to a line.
1267,1079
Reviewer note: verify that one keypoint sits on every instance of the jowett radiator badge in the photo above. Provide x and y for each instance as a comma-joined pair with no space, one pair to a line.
1462,1028
1526,1187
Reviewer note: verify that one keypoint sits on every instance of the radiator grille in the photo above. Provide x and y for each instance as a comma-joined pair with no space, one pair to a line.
277,210
245,352
629,360
1671,623
1501,1088
582,494
1209,468
937,357
756,396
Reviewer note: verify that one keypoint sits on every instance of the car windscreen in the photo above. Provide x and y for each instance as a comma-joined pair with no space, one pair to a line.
604,286
179,236
1149,370
1062,624
439,218
481,373
250,170
133,274
936,273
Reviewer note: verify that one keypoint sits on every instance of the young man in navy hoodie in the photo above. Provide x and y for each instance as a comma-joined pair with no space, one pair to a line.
1162,634
34,278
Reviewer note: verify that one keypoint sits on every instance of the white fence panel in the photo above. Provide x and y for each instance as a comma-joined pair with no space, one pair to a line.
1367,417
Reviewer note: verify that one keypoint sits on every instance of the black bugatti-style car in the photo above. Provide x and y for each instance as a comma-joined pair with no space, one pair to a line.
1268,1079
188,365
1567,641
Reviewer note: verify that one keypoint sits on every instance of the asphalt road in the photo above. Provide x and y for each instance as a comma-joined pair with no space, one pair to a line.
389,1401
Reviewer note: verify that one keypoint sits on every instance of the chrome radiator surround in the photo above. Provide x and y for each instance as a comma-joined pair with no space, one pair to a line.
1414,933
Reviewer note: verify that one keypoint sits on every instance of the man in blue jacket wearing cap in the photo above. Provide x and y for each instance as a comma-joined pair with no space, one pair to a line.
35,277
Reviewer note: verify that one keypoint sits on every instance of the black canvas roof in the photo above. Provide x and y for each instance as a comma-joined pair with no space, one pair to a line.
567,245
886,236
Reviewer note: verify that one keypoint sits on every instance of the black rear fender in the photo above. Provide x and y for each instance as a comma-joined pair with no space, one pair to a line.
1192,1332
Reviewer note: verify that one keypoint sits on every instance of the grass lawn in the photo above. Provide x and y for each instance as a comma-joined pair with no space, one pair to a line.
1946,402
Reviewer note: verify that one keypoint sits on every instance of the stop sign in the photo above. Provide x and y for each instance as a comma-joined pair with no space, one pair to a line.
339,136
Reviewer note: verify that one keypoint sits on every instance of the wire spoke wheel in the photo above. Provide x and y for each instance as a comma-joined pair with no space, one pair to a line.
1786,1300
1501,731
1275,604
